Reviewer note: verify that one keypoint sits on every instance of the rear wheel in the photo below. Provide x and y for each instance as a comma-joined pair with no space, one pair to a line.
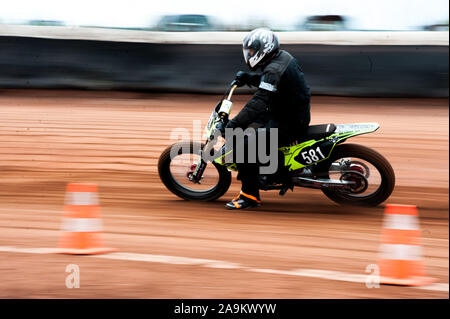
175,172
370,174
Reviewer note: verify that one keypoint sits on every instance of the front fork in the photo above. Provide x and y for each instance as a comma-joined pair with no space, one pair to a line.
199,169
201,164
223,113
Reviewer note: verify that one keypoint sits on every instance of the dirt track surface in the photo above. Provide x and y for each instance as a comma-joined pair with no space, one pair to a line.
48,139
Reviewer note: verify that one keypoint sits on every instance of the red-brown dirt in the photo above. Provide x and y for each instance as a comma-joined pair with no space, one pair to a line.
114,139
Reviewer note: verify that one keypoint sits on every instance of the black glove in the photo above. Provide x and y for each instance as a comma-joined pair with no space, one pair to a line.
249,78
242,78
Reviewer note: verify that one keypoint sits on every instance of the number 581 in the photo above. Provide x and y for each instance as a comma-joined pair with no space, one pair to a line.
312,155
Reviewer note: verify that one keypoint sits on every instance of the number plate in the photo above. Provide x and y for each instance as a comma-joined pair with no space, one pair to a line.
314,153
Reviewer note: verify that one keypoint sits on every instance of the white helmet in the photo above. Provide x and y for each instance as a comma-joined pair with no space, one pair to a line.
259,46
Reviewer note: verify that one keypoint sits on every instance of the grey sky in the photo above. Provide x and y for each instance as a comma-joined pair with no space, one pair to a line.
365,14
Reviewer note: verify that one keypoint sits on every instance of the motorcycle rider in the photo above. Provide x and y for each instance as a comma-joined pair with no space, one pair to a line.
281,101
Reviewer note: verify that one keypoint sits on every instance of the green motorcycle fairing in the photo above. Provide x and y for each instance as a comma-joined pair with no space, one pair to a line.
312,151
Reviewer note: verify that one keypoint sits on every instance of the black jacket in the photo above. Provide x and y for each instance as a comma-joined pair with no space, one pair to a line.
282,99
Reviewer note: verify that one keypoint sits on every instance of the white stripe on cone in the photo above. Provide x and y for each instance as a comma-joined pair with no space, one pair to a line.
406,222
81,225
81,198
401,252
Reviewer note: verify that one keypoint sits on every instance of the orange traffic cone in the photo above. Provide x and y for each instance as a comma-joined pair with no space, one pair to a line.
82,224
401,248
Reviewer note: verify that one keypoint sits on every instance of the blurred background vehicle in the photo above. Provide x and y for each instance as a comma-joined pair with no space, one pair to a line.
324,23
437,27
185,22
54,23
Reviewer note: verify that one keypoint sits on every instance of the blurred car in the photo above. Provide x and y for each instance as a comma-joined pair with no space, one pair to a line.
185,22
324,23
53,23
437,27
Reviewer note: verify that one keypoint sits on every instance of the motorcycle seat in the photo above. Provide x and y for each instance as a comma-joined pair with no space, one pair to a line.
317,132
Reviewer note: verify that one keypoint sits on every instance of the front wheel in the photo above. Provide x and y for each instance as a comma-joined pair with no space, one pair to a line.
174,173
372,177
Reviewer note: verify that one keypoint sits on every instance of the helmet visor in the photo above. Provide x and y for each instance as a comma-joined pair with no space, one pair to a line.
248,53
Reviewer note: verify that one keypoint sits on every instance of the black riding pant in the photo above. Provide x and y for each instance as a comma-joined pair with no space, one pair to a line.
249,171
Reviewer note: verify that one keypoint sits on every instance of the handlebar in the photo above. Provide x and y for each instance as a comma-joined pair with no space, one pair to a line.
233,87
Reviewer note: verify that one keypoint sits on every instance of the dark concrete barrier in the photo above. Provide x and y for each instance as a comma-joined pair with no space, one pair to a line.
354,70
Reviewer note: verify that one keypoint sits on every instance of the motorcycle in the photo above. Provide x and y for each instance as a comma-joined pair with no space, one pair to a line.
349,174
